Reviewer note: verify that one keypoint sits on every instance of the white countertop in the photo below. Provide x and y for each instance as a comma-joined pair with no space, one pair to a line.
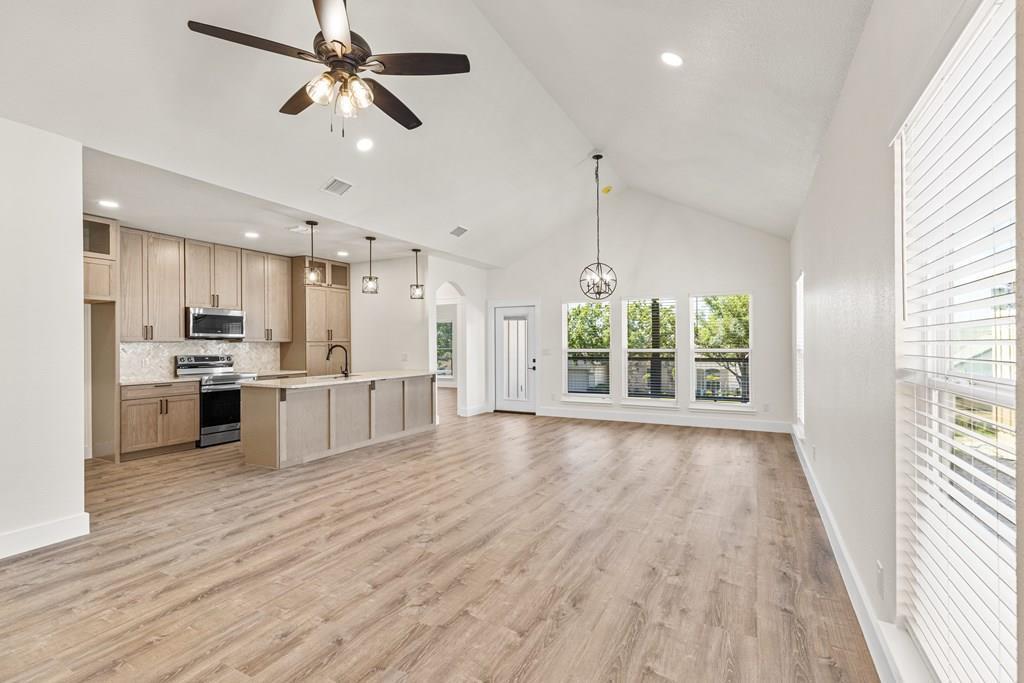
176,380
334,380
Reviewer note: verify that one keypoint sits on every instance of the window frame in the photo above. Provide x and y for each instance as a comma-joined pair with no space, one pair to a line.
625,350
579,397
712,405
437,354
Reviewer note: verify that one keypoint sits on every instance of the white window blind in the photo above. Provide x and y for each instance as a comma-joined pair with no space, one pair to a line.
798,343
957,358
588,348
650,353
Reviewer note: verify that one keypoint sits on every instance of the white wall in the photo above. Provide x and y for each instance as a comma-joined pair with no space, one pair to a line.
659,248
470,328
844,243
42,488
389,330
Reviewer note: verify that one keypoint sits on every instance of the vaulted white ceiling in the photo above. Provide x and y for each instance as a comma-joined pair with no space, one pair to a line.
504,150
735,131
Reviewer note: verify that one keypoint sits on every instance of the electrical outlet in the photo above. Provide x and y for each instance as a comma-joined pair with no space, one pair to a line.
814,453
880,579
767,407
405,357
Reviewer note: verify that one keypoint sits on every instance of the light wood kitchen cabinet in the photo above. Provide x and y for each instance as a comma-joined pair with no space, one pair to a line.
152,287
100,278
254,295
213,275
327,314
316,314
154,421
134,326
100,274
279,298
180,423
338,314
140,424
266,297
99,238
165,287
322,317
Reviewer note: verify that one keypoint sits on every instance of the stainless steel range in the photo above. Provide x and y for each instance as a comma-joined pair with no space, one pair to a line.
220,396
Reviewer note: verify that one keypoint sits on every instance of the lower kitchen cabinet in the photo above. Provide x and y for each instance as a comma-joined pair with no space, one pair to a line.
155,421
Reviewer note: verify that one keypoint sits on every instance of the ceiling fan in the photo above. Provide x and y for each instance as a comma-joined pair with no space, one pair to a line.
345,53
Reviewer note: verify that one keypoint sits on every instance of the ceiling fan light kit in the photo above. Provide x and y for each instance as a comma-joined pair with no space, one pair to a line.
346,54
598,280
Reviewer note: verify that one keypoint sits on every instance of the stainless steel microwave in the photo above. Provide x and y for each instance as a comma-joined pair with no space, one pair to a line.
214,323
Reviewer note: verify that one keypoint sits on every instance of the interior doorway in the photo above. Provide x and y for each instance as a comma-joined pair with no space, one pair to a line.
448,346
515,364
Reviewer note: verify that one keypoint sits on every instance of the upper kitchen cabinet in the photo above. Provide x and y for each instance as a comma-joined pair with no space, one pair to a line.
328,273
266,297
152,286
99,267
213,275
99,238
279,298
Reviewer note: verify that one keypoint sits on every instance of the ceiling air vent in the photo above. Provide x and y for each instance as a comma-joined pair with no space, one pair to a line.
459,231
337,186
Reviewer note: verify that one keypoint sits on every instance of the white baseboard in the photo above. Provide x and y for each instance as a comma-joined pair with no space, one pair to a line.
19,541
892,649
88,451
663,417
470,411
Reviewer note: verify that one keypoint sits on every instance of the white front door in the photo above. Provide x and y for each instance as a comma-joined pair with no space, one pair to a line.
515,359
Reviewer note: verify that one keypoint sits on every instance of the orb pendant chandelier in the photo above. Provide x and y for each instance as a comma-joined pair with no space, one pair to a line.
598,280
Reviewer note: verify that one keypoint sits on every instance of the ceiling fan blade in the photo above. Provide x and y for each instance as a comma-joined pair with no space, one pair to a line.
333,18
297,103
420,64
392,106
252,41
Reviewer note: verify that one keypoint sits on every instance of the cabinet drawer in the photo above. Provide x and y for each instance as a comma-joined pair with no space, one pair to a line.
159,390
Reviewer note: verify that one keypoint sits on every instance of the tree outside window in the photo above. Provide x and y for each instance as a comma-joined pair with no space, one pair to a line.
445,350
651,348
721,348
588,344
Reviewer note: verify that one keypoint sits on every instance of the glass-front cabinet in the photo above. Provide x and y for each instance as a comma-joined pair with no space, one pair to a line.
100,239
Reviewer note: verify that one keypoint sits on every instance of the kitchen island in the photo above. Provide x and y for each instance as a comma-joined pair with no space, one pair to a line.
291,421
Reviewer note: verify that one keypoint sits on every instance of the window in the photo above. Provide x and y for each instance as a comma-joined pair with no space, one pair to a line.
721,348
798,344
587,348
650,348
445,350
955,160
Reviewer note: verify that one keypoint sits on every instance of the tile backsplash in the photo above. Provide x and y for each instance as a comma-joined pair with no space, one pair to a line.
143,361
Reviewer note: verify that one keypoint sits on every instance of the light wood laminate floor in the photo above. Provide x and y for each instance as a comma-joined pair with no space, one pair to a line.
498,548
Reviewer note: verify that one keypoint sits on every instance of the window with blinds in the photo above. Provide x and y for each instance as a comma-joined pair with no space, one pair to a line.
650,348
798,349
720,348
955,157
588,348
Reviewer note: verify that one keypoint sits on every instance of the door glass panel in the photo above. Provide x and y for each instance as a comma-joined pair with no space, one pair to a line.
514,362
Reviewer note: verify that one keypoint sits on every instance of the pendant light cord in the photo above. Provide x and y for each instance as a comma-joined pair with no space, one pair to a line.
597,194
371,258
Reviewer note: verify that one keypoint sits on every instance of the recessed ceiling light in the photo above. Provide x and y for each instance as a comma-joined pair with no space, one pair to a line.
671,58
252,235
364,145
342,253
108,204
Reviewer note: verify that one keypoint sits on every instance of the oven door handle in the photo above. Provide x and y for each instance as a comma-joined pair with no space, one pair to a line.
214,389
